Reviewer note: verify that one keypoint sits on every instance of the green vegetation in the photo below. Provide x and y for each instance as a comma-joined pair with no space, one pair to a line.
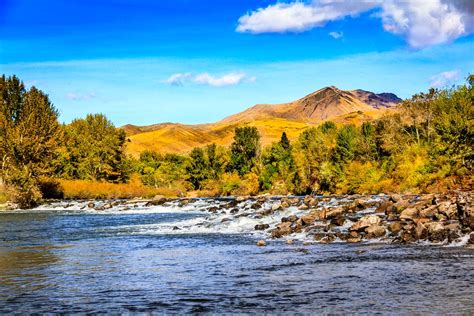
426,145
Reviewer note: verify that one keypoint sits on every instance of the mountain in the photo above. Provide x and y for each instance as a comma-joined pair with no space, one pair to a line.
318,106
329,103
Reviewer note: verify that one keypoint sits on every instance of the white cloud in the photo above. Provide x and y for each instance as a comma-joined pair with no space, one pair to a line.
177,79
205,78
80,97
298,16
336,35
444,79
216,81
422,23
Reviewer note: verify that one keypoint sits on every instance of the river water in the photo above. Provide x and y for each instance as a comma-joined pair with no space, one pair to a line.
67,258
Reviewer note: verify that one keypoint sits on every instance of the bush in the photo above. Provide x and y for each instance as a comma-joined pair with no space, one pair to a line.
50,189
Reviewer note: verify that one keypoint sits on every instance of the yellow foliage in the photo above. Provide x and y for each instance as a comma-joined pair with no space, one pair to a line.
3,194
84,189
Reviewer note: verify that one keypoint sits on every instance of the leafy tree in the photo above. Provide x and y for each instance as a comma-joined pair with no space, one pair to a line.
244,150
278,165
29,131
95,150
197,168
346,144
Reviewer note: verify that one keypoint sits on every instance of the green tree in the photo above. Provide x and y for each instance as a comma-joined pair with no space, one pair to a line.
197,168
244,150
346,144
278,165
29,131
95,150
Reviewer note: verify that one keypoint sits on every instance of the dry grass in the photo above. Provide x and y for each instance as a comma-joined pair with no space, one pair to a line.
82,189
178,138
3,194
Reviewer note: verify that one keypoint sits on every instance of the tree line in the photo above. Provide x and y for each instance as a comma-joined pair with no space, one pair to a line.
427,144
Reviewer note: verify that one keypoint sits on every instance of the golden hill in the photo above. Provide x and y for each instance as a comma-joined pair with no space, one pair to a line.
328,103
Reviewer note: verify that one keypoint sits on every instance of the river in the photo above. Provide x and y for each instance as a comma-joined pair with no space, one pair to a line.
68,258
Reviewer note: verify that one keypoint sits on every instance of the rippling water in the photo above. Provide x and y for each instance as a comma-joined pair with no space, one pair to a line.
67,258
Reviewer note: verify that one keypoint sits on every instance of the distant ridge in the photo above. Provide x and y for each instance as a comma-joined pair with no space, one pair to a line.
329,103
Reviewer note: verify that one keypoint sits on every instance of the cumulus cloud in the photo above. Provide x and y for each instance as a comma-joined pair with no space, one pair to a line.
421,23
444,79
177,79
205,78
79,96
298,16
336,35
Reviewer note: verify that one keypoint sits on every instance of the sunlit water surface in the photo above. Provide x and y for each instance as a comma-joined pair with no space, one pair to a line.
65,259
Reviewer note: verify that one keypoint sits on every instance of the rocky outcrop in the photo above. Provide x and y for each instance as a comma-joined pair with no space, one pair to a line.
440,218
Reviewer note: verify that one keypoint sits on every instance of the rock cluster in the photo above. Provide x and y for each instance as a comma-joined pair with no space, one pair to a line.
435,218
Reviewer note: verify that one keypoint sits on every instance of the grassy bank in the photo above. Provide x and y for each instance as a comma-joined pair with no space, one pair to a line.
82,189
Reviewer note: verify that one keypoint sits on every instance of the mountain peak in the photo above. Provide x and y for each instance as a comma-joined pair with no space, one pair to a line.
323,104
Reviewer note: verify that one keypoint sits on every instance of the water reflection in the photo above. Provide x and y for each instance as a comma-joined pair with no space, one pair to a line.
25,268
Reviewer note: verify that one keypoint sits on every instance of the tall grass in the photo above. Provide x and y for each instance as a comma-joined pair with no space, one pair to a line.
83,189
3,194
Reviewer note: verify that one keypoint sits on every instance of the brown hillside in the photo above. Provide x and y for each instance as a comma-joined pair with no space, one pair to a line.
328,103
318,106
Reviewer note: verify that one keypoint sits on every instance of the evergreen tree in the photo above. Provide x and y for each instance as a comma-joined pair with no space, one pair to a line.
346,144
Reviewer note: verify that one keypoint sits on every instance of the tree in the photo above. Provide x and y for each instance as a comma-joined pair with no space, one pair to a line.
346,144
29,132
278,166
244,150
95,150
197,168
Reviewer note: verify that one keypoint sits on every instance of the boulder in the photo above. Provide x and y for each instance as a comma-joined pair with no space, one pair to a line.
354,240
91,205
157,200
319,214
292,218
213,209
384,207
421,232
365,222
400,205
409,213
303,207
261,243
395,198
429,212
256,206
353,234
307,219
468,222
276,206
375,231
434,227
282,230
334,212
338,221
448,209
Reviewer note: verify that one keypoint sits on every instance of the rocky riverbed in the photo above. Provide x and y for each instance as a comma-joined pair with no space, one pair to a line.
434,218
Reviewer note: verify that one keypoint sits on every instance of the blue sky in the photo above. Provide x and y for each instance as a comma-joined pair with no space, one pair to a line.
191,61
